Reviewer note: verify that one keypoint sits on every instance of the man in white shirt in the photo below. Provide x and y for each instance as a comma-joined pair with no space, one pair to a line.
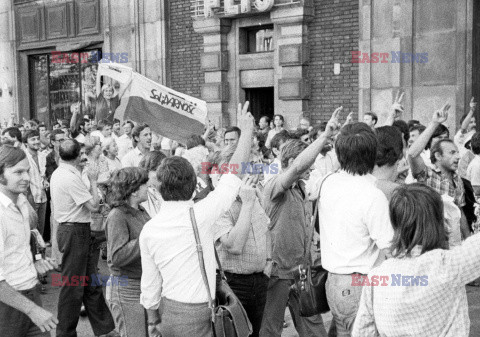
104,130
37,161
21,311
125,141
354,222
72,207
143,137
171,272
116,129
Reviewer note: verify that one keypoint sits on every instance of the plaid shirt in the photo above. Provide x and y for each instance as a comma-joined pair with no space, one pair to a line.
441,183
254,254
435,307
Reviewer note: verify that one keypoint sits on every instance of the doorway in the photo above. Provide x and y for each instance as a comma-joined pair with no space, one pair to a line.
261,102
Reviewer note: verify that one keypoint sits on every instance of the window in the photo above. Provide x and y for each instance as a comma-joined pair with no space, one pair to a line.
257,40
59,81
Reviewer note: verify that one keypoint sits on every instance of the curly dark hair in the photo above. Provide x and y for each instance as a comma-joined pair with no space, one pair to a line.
124,182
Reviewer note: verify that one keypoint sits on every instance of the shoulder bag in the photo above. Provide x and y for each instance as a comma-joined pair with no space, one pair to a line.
310,280
229,318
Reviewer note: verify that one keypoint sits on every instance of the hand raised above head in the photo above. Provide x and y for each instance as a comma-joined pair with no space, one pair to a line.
333,124
245,119
441,115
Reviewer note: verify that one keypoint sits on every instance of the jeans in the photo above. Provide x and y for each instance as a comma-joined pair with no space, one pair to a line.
251,290
14,323
80,258
128,313
278,297
343,299
41,210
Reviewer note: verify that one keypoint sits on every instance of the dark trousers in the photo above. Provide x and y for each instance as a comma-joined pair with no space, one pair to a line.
14,323
251,290
278,297
80,258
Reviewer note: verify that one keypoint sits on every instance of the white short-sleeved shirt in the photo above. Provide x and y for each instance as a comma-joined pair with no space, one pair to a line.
354,223
473,171
69,193
16,261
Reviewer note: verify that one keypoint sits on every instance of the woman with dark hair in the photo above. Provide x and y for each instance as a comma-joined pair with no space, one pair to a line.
278,121
421,290
150,163
124,223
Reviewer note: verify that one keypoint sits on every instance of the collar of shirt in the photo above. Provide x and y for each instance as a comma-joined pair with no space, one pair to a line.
137,151
71,168
168,206
7,202
443,175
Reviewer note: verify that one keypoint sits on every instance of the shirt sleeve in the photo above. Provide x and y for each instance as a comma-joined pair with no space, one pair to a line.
123,250
274,189
219,201
365,322
151,281
377,220
475,174
222,226
464,261
79,192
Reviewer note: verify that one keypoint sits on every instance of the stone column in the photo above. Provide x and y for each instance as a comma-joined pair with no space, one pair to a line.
293,54
214,62
8,72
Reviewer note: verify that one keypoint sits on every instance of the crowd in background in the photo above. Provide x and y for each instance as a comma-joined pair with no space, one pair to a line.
395,199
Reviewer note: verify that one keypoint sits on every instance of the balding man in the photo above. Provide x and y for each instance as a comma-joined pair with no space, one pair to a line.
73,203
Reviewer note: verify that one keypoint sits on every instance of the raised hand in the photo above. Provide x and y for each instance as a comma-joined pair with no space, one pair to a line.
441,115
349,118
245,119
333,123
247,190
397,103
473,104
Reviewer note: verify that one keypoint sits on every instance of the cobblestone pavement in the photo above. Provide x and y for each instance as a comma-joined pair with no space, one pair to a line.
84,330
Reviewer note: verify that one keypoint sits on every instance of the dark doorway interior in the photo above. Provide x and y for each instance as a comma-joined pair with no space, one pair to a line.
476,60
261,102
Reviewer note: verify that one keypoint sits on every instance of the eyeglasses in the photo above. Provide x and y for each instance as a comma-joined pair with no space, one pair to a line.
60,140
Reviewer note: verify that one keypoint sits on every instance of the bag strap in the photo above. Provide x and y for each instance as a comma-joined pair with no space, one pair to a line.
308,246
202,262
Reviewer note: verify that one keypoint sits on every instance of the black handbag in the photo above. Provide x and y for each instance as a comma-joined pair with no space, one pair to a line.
310,280
229,318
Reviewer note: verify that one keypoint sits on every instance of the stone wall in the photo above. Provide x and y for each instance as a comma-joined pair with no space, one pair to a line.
7,62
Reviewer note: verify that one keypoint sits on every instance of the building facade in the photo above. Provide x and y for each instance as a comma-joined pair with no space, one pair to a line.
291,57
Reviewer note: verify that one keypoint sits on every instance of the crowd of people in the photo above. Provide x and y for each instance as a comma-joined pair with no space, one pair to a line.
396,204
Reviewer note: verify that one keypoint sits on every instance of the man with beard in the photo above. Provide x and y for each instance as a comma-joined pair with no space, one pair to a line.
38,183
444,155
